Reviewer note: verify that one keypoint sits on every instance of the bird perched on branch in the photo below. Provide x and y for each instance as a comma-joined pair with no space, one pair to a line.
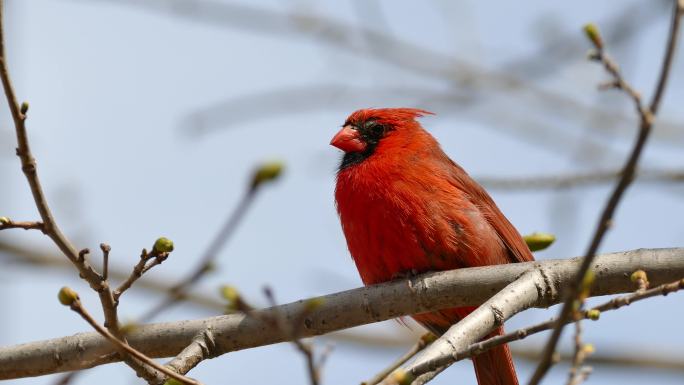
406,208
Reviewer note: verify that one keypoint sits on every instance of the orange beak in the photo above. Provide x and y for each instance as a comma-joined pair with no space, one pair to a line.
348,140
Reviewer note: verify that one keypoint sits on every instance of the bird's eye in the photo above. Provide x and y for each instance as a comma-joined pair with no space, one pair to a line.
374,128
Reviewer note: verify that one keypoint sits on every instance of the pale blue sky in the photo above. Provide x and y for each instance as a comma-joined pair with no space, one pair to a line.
115,89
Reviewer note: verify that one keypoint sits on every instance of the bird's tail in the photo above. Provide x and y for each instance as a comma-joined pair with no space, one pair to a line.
495,366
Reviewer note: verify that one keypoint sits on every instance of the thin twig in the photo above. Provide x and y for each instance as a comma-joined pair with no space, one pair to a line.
139,269
105,260
528,289
423,341
78,308
577,373
13,252
67,378
579,179
635,360
294,328
50,227
312,369
28,166
6,223
646,122
613,304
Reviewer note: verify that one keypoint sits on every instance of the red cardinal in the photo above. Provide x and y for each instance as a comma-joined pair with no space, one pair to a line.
407,208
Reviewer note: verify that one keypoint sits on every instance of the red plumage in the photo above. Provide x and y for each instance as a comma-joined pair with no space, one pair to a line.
405,207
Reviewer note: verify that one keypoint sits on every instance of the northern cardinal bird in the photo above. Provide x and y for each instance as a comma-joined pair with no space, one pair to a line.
407,208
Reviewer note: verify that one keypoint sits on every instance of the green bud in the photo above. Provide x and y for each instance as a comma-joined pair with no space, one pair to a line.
267,172
4,220
587,283
234,298
67,296
402,377
593,34
428,338
229,293
24,108
172,381
589,278
313,304
162,245
128,327
593,314
539,241
635,277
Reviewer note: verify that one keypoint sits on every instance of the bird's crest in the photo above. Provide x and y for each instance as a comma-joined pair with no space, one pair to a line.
387,116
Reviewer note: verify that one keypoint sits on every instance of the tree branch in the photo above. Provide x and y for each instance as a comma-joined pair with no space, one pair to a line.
428,292
15,253
580,179
523,293
75,304
646,117
49,224
594,314
201,348
6,223
423,341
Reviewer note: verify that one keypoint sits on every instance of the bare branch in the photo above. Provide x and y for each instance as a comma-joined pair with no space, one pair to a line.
139,269
201,348
452,354
49,224
6,223
578,373
623,359
579,179
519,295
423,341
292,328
429,292
66,378
593,313
14,252
646,116
105,260
78,308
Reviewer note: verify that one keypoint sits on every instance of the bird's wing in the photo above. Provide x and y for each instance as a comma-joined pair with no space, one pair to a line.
518,250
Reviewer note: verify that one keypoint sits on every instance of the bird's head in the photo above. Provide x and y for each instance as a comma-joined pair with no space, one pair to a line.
365,129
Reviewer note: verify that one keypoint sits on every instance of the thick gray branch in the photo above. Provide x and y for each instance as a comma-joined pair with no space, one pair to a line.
341,310
201,348
527,291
